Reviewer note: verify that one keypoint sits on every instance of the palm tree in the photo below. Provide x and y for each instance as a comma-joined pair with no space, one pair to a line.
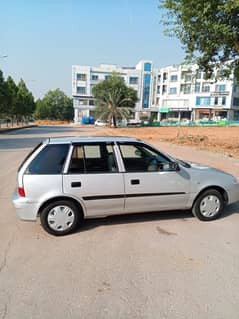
114,99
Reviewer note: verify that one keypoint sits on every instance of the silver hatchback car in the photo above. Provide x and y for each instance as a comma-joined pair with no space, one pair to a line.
64,180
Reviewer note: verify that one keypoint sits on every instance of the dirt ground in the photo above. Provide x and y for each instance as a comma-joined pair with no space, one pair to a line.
217,139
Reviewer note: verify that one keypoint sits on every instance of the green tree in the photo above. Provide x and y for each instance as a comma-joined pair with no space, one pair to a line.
55,105
41,110
114,99
208,30
11,93
24,101
3,96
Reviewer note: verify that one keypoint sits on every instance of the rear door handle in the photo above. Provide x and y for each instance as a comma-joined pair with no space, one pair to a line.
76,184
135,181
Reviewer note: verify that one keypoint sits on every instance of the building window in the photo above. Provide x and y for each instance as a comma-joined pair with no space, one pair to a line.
197,87
186,88
107,77
223,100
235,101
165,76
187,76
157,101
216,100
236,89
164,89
158,89
220,88
205,87
81,90
198,101
147,67
202,101
91,102
174,78
94,77
81,77
173,91
133,80
236,115
159,77
198,75
82,102
146,90
206,100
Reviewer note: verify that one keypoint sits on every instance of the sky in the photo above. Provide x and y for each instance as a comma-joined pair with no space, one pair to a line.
44,38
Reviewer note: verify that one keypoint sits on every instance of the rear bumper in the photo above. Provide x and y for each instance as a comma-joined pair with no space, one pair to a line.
25,210
233,193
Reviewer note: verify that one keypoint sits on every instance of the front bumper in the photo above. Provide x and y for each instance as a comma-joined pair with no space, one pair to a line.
25,209
233,193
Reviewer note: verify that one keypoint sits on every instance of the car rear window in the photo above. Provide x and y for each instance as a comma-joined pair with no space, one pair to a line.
28,155
50,160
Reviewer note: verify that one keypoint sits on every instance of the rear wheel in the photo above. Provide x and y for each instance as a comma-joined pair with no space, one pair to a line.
60,217
208,205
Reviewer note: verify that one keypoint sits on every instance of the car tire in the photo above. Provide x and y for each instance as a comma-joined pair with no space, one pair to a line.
60,218
208,205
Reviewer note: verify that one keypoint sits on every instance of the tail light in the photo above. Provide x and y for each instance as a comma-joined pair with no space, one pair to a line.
21,191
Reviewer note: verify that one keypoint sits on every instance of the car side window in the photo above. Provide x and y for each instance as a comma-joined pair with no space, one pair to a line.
93,158
142,158
49,161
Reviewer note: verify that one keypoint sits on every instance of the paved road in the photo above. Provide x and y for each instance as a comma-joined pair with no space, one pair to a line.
165,265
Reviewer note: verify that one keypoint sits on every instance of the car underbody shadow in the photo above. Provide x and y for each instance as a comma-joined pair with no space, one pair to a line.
230,210
184,215
89,224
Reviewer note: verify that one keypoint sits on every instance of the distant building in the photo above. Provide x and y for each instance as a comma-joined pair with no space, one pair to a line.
174,92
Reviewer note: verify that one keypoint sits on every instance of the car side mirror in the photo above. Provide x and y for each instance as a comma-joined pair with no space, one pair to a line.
174,166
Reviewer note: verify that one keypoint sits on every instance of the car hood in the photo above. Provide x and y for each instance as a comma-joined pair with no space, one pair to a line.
207,172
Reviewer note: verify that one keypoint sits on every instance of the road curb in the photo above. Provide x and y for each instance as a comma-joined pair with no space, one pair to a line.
10,129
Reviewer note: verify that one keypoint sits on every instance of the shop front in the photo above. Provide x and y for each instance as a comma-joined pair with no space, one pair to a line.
175,114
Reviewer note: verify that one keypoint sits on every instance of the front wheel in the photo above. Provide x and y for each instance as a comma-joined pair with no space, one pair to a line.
60,218
209,205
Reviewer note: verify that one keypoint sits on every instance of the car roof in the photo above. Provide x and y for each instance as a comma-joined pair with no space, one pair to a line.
90,139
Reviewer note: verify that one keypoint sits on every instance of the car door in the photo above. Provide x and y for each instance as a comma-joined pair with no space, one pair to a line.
151,183
94,178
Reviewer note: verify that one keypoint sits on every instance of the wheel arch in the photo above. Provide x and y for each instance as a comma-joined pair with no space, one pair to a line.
58,198
220,189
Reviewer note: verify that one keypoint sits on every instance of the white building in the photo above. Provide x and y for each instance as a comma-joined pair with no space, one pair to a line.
173,92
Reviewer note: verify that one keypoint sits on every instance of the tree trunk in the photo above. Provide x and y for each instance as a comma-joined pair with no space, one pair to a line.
114,121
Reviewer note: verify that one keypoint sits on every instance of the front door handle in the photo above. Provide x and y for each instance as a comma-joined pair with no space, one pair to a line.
135,181
76,184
